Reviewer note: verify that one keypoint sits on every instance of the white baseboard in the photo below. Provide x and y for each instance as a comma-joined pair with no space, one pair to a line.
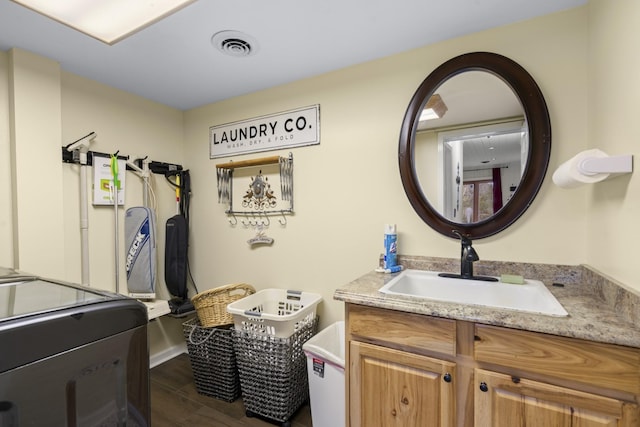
168,354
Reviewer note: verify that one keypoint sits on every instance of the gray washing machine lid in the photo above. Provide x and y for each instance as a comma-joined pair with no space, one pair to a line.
41,318
27,296
11,275
4,271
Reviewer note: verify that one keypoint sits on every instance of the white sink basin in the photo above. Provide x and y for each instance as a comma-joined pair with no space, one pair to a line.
532,296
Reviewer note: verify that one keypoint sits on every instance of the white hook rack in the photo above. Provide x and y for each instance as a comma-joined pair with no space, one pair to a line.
224,172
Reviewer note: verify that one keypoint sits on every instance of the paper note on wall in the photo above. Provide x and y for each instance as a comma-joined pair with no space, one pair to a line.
103,181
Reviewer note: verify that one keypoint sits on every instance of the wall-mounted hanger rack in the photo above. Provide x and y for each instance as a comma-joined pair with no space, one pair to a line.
78,152
251,162
259,201
71,157
155,167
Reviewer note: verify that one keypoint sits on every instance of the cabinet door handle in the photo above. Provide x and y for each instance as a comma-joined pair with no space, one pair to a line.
484,387
447,377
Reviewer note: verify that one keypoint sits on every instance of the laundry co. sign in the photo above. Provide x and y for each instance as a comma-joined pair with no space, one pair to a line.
292,128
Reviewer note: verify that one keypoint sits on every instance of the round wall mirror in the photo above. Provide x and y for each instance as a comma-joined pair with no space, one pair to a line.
474,145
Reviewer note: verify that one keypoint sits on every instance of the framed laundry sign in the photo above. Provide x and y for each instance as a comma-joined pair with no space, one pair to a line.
293,128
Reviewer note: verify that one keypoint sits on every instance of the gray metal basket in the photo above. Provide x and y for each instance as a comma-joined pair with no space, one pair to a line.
213,360
273,372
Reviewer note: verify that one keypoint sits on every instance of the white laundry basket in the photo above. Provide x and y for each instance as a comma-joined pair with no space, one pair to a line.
274,312
325,369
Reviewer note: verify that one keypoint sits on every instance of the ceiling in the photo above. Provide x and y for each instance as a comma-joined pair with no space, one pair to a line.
491,131
174,62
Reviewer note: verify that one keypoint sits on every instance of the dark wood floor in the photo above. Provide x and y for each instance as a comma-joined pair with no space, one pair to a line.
175,402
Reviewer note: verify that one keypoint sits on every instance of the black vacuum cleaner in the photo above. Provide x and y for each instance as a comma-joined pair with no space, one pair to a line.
176,261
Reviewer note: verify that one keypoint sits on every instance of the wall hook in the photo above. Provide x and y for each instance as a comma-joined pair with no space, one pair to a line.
266,222
282,221
233,222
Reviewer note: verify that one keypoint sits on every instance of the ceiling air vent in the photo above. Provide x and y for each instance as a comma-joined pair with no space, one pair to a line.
235,43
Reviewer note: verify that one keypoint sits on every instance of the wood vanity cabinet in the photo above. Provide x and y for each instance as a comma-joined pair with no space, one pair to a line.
397,388
410,370
507,401
392,382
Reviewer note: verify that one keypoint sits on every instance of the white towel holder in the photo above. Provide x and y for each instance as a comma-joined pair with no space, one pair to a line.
591,166
610,165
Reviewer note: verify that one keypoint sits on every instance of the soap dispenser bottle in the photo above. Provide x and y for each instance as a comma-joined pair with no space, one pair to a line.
390,259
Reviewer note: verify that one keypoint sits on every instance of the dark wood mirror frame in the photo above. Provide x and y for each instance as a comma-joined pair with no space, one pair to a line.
535,109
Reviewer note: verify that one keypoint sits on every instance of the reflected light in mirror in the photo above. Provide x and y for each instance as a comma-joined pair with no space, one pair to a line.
435,109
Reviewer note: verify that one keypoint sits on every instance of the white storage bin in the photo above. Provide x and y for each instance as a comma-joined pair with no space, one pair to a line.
274,312
325,369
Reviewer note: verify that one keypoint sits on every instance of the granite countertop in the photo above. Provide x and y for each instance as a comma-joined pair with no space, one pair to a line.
599,309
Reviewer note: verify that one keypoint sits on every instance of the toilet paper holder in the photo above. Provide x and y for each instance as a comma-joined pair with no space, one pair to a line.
591,166
610,165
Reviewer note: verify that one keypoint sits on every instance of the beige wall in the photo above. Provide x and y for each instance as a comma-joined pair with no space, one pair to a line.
36,184
6,220
137,128
123,122
349,186
134,127
614,108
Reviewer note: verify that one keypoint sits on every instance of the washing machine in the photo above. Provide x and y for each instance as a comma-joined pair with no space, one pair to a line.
71,355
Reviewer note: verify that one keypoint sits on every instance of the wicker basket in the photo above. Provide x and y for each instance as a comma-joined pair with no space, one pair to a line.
213,360
273,372
211,305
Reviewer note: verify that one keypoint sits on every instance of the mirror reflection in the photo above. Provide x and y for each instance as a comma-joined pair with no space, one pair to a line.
478,164
471,147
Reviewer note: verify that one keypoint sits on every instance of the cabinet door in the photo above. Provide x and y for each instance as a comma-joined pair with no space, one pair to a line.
392,388
505,401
